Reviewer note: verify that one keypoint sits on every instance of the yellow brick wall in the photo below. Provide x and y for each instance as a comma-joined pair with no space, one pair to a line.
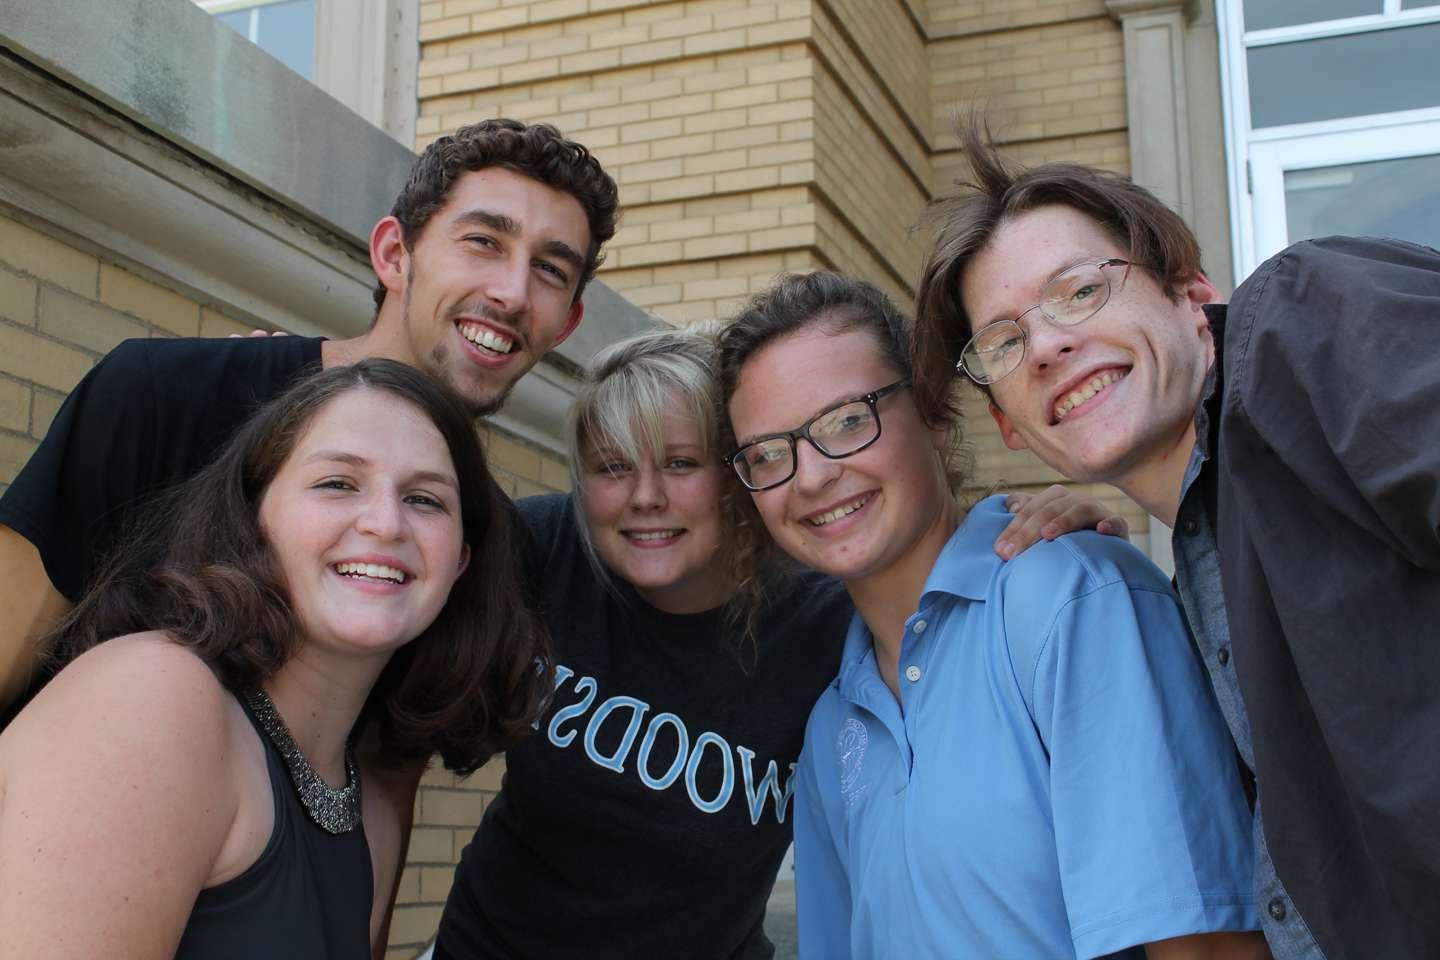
61,309
949,17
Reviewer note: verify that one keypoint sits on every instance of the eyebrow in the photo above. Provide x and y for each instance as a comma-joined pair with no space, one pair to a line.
500,223
355,460
1068,264
839,401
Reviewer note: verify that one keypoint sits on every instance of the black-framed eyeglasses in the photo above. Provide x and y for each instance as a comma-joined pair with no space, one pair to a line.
1071,297
838,431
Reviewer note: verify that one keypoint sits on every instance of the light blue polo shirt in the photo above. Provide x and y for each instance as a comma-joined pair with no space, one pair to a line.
1056,781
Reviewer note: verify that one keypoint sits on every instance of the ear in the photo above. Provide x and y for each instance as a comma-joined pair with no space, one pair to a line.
1008,433
577,310
938,436
1198,292
464,559
388,256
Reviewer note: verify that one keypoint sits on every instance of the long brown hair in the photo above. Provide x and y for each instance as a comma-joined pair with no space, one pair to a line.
196,565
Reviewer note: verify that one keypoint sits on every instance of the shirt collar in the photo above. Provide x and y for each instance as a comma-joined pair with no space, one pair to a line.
965,568
968,563
1207,411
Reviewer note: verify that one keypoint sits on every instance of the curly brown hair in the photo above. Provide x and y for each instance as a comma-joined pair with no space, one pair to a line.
537,150
195,564
962,223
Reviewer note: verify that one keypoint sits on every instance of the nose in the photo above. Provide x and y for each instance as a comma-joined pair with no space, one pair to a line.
1050,343
507,284
382,516
813,470
649,490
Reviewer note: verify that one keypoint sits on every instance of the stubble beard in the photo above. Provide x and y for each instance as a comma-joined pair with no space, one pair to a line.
439,365
479,406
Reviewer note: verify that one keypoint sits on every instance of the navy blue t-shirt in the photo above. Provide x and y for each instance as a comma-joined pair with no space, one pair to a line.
649,814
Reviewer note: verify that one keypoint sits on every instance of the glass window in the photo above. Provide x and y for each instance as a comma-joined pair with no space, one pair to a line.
1264,14
1317,79
286,31
1385,198
1415,4
237,20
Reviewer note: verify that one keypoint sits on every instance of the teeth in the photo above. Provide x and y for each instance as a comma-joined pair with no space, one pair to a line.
838,512
653,534
370,571
1085,392
487,338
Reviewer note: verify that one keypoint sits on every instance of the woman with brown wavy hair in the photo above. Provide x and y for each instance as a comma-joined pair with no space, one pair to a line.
190,787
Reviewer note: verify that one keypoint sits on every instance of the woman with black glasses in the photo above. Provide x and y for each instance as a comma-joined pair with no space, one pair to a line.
1015,760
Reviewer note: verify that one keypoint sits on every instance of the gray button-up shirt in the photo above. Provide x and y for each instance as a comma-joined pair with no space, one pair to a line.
1197,574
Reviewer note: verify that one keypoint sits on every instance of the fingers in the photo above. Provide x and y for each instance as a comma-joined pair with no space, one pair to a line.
1051,513
1032,513
1113,526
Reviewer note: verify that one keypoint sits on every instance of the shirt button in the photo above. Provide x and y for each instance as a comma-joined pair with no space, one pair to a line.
1190,528
919,626
912,673
1223,655
1277,909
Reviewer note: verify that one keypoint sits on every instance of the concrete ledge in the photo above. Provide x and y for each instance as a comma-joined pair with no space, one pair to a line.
170,67
91,176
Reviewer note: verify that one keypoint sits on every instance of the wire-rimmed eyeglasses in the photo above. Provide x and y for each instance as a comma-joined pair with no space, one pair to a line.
840,430
1071,297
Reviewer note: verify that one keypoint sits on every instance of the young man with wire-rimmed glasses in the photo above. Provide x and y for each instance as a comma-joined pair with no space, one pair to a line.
1292,441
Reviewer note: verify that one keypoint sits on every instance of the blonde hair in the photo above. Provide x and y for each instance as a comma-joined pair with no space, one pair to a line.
626,392
628,389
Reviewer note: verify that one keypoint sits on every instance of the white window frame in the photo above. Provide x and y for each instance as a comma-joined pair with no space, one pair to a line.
1258,159
1273,157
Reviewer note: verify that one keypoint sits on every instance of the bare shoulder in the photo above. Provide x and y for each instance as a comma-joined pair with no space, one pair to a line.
120,787
136,697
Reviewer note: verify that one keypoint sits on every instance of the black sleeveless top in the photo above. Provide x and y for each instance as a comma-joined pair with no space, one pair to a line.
308,897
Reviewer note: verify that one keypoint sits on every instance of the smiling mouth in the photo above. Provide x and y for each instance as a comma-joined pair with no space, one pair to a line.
485,339
1086,391
840,512
650,536
371,572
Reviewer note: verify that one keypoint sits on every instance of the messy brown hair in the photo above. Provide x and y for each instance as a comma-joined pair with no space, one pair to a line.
196,564
996,191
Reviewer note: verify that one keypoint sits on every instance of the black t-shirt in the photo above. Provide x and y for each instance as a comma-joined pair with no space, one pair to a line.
648,815
150,414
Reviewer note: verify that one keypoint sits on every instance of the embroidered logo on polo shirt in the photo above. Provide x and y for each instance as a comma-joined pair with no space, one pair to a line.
850,751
